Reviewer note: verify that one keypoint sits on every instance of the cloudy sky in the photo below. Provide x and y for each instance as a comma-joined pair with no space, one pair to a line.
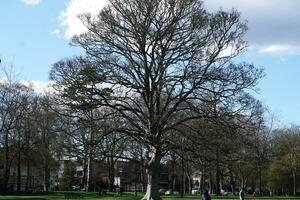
36,33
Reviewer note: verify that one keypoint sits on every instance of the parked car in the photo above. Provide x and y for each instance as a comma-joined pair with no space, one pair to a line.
195,191
168,192
226,192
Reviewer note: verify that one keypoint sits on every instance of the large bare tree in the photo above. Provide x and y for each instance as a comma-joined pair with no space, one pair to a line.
161,60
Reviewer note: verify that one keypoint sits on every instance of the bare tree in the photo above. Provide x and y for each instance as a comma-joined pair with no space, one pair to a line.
161,61
13,97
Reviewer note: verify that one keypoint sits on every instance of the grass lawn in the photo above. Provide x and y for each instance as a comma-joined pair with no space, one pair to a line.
128,196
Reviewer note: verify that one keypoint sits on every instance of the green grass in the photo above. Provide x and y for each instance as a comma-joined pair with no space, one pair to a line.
60,196
128,196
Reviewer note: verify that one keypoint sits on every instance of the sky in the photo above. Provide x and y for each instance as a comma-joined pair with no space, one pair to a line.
34,34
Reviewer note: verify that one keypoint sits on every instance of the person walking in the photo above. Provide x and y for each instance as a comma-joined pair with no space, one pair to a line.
242,195
205,195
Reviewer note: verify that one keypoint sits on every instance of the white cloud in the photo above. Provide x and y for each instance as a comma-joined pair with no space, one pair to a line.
69,21
31,2
56,32
281,49
274,25
39,87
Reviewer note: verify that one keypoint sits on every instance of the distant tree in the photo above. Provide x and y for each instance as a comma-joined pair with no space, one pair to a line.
286,156
68,176
13,98
262,151
279,177
47,123
82,118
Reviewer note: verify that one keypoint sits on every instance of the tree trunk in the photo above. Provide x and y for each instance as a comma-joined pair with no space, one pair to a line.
46,164
260,180
172,176
88,174
27,175
111,173
90,153
294,182
46,175
182,179
232,181
46,153
210,183
173,180
153,174
19,165
7,168
244,184
202,179
218,173
218,189
83,180
190,184
143,179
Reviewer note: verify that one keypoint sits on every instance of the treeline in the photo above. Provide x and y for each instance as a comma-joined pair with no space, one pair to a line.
27,131
36,133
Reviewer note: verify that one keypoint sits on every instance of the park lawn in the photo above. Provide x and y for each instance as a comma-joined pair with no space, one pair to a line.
60,196
129,196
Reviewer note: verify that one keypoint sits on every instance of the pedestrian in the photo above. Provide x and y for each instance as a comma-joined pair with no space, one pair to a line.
121,190
205,195
242,195
271,193
118,190
100,189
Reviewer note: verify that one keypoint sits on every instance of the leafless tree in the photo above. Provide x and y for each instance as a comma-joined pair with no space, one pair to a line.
159,60
13,98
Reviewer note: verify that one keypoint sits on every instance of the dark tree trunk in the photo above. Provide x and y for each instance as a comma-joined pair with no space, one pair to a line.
46,164
27,175
182,190
143,180
218,172
173,180
135,179
260,180
232,182
88,174
244,184
19,174
111,173
153,174
46,153
190,183
6,166
202,178
294,183
46,175
19,165
210,183
218,189
83,181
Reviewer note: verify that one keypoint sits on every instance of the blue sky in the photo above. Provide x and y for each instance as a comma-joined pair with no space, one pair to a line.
34,34
26,38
